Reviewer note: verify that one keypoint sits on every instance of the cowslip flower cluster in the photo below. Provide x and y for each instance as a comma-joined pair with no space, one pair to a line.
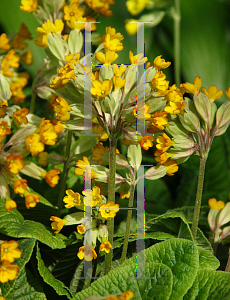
9,252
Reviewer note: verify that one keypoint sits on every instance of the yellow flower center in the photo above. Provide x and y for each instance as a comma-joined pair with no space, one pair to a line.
107,211
5,250
75,201
102,92
95,198
71,14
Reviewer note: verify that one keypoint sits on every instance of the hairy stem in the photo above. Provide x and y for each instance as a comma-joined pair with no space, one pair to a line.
65,173
111,197
198,197
176,18
32,103
128,222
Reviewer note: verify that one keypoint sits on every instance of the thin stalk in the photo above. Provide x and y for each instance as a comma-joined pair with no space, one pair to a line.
128,222
32,103
176,37
111,197
198,197
65,173
227,269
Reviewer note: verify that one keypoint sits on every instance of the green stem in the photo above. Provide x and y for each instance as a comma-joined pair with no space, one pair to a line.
65,173
111,197
176,18
198,197
32,103
128,222
227,269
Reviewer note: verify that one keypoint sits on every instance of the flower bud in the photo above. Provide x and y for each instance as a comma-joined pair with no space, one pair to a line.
5,93
56,46
222,118
155,172
75,41
203,107
190,121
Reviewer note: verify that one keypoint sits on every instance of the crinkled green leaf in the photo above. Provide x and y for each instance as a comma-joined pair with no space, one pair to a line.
207,261
57,285
13,224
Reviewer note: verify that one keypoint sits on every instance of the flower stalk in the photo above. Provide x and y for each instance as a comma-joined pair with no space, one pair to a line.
111,197
227,269
177,18
198,196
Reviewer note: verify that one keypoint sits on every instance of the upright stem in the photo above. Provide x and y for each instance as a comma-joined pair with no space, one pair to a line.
65,173
32,103
198,197
111,197
128,222
176,18
227,269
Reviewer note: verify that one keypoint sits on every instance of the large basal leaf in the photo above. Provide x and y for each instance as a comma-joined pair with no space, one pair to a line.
207,260
210,285
124,278
26,245
57,285
26,287
13,224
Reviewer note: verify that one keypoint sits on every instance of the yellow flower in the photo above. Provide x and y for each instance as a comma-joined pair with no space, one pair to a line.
118,82
20,37
119,70
33,144
141,110
28,5
112,32
109,210
106,246
159,63
214,204
78,23
81,229
47,28
58,126
171,167
227,92
11,60
20,116
212,93
112,44
137,59
43,158
191,88
159,121
161,156
15,163
27,58
3,107
164,142
61,108
72,199
73,11
87,252
52,177
4,129
31,200
10,204
100,131
131,26
92,197
107,58
4,42
124,194
47,134
158,82
10,251
174,108
101,89
8,271
98,151
146,142
20,186
127,295
83,166
58,224
135,7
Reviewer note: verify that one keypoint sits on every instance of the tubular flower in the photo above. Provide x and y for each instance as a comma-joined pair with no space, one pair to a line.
4,129
8,271
212,93
137,59
107,58
171,167
43,158
159,121
83,168
52,177
11,60
135,7
31,200
20,37
73,11
227,92
10,204
108,210
106,246
58,126
87,252
72,199
61,108
4,42
119,70
112,32
28,5
174,108
124,194
20,116
10,251
98,151
20,186
92,197
159,63
27,58
118,82
127,295
191,88
33,144
174,94
159,83
161,157
146,142
112,44
214,204
101,89
81,229
3,107
78,23
57,224
98,130
47,134
47,28
131,26
141,110
164,142
15,163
